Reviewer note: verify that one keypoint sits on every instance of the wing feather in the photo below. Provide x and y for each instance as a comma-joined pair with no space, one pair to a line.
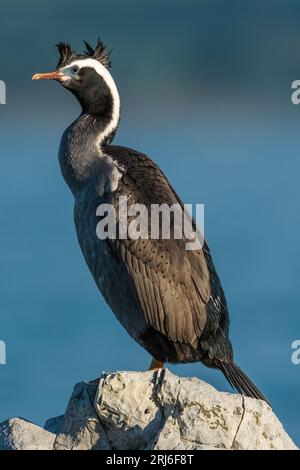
172,285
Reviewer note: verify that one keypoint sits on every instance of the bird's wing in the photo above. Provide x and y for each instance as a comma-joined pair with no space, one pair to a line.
172,284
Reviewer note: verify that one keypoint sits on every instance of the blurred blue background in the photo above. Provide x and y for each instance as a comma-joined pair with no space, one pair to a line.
205,88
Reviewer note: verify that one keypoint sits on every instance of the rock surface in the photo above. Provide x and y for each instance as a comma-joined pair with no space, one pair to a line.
20,434
54,425
152,410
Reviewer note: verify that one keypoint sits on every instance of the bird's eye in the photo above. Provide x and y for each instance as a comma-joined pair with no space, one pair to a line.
75,68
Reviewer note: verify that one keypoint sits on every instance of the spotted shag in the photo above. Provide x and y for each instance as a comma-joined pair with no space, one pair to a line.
169,299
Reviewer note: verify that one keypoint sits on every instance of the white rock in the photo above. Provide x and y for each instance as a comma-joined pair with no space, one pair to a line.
153,410
19,434
158,410
81,428
261,429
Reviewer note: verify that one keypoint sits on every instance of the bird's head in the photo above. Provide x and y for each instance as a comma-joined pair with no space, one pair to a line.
87,77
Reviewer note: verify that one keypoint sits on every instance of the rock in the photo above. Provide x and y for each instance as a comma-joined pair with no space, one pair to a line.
155,410
158,410
20,434
54,424
81,427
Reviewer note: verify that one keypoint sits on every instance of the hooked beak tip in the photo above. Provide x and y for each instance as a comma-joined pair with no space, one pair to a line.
36,76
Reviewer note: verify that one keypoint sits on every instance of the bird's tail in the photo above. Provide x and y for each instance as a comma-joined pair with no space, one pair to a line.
239,380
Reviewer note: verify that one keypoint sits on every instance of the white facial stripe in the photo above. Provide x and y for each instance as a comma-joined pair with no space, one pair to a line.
104,73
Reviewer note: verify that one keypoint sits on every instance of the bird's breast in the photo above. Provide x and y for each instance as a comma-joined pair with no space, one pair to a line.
104,265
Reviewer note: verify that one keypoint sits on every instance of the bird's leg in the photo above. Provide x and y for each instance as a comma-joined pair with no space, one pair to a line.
156,365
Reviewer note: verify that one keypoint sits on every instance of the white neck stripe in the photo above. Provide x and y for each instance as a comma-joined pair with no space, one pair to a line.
104,73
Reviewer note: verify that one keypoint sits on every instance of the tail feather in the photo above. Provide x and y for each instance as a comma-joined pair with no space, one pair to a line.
239,380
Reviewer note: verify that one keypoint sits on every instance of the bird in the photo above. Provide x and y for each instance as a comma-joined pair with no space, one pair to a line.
169,299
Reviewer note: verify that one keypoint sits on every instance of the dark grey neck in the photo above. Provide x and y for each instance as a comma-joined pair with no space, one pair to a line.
83,149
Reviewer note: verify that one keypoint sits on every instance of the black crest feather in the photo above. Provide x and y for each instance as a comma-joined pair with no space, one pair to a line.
100,53
66,54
